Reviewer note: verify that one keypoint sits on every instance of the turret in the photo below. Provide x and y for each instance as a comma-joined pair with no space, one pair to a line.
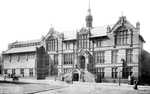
138,25
108,29
89,18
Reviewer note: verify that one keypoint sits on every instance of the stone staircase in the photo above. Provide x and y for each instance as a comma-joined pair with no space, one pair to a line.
89,77
84,75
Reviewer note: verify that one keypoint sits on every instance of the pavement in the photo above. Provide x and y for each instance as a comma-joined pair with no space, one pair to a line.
87,87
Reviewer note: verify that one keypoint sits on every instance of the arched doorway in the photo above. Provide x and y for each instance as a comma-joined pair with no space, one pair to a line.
82,62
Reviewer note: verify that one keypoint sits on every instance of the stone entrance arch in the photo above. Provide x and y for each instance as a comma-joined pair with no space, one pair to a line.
82,62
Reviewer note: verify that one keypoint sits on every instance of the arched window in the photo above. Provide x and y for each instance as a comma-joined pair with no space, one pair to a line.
122,36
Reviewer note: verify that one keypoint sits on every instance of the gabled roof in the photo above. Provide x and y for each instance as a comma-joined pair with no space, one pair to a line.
53,32
122,21
21,50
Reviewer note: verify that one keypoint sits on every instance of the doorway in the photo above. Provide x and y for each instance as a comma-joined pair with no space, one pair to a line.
75,77
82,62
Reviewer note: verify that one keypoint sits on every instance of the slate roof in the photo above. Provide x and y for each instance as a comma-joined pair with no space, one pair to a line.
21,50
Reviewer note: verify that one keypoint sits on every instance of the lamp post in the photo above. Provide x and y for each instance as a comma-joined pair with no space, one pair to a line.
119,77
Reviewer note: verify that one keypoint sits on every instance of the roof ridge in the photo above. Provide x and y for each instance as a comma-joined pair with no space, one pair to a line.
29,40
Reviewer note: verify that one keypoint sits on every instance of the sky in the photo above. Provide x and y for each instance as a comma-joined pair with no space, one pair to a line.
22,20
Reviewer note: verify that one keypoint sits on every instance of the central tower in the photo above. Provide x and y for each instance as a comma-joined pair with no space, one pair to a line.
89,18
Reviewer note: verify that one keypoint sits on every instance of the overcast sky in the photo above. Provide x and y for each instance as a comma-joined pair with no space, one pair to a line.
30,19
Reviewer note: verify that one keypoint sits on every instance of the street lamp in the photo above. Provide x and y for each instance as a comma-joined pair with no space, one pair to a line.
119,77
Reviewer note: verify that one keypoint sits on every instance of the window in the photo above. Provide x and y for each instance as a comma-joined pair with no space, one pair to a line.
129,55
55,59
114,72
6,57
31,72
55,72
22,72
5,71
46,60
100,72
114,56
66,70
52,44
83,41
31,56
98,43
46,72
126,72
13,57
13,72
68,59
22,56
99,57
67,45
122,36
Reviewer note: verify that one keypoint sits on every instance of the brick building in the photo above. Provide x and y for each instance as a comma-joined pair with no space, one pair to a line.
107,51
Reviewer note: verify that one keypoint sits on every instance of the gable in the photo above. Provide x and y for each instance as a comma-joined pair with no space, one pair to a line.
52,34
122,22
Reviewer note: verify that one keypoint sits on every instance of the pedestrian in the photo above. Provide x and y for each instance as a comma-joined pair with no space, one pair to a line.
83,79
132,80
129,80
135,85
72,80
63,79
55,78
5,75
9,75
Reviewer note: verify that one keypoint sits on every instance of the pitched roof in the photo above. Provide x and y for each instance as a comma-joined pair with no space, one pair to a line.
26,42
70,35
100,31
140,36
21,49
95,31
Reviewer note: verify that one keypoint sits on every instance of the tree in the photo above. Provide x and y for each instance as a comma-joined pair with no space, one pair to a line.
145,67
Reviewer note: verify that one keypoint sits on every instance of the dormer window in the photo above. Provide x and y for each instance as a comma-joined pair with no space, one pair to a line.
122,36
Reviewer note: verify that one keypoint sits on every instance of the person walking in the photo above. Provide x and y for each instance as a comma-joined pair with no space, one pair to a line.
129,80
5,76
135,85
55,78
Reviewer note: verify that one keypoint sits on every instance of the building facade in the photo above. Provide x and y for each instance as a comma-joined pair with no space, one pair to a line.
109,51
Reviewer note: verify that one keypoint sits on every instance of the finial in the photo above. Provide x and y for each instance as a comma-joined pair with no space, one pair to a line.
51,25
122,13
89,4
89,10
83,25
